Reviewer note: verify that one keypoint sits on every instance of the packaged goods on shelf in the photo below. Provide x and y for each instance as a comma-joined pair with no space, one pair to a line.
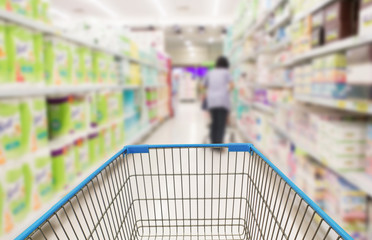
115,105
13,196
102,107
59,116
34,124
10,131
93,146
104,142
368,164
301,36
4,55
117,133
347,205
101,67
92,105
63,163
38,172
22,58
359,65
340,20
364,22
23,7
81,152
41,10
79,113
39,56
317,21
58,62
88,71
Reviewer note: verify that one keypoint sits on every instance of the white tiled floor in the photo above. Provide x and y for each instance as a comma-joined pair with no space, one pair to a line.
189,126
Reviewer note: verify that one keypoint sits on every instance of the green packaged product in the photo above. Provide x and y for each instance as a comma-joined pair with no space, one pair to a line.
10,131
58,62
81,155
39,57
4,56
105,145
22,60
115,105
86,59
93,148
102,107
34,124
14,197
38,173
100,67
77,66
22,7
79,114
92,105
117,134
63,166
59,117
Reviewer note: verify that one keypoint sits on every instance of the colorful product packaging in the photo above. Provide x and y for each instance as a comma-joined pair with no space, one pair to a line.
81,155
58,62
115,104
102,107
22,59
118,134
4,56
93,147
105,144
10,131
77,65
59,116
86,58
38,173
39,57
101,67
63,164
79,114
13,196
34,124
92,105
22,7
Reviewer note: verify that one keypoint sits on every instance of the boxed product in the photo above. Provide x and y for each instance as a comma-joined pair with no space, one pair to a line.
79,113
22,7
87,65
22,59
38,173
113,74
81,155
101,67
77,65
92,106
10,131
13,196
39,57
365,18
4,56
117,134
34,124
102,107
59,116
41,10
105,144
93,147
58,62
63,164
115,104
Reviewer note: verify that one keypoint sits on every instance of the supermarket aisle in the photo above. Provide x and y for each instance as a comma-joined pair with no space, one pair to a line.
189,126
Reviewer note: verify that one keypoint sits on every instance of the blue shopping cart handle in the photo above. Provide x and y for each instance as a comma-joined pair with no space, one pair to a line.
233,147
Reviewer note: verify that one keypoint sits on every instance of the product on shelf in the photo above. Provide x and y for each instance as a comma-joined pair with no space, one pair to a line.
117,133
340,20
115,104
364,23
81,150
317,21
93,147
104,142
13,196
102,107
63,164
79,113
59,116
22,59
58,62
368,163
10,131
101,67
34,124
38,172
4,55
359,65
86,61
39,56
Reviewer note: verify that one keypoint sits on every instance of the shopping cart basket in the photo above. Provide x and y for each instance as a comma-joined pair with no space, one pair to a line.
186,192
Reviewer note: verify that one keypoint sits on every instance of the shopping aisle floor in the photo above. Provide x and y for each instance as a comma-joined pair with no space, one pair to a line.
189,126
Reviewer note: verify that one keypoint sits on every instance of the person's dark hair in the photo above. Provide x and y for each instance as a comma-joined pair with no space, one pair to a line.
222,62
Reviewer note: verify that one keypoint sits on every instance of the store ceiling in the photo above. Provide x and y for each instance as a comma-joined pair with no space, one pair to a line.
151,12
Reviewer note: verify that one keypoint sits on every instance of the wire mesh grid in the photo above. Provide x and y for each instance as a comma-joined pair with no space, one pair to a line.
186,193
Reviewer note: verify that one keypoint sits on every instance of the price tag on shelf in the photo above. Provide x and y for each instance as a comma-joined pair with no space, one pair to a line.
341,104
362,106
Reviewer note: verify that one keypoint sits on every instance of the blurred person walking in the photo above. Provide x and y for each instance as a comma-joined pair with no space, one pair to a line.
217,100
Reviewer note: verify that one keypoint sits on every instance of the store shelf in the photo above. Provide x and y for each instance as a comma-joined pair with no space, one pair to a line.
264,108
340,45
274,85
312,10
28,91
275,47
360,180
281,21
260,23
132,87
364,107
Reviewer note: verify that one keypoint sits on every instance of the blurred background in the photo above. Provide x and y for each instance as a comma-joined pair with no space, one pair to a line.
80,79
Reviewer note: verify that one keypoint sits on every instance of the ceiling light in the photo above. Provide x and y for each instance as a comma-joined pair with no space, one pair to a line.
59,13
216,7
104,7
160,7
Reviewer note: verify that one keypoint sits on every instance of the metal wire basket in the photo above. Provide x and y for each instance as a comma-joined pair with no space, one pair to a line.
228,191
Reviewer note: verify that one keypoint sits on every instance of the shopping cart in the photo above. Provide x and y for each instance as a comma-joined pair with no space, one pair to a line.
186,192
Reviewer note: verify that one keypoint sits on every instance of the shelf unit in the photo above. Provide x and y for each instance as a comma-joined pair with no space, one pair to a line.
31,218
282,21
312,10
